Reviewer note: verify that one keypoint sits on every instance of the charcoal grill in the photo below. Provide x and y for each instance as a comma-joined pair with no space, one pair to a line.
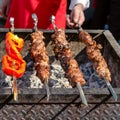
64,103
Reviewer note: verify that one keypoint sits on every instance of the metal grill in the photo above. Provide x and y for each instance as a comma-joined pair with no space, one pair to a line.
64,104
57,112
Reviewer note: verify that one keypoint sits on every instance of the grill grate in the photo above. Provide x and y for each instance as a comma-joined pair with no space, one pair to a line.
64,103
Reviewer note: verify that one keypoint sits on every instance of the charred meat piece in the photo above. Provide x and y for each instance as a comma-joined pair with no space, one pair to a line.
64,55
40,56
94,54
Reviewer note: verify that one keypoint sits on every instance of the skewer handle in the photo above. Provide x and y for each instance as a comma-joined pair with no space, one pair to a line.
35,19
80,28
53,21
12,24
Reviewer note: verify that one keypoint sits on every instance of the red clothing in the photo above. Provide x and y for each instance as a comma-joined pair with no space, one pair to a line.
94,3
22,10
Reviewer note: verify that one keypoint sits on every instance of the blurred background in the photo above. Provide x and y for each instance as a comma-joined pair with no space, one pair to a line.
2,19
88,15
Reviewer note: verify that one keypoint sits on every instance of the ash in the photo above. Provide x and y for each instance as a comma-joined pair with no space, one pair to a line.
57,78
91,77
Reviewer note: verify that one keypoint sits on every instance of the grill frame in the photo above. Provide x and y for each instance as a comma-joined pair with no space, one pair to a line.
60,96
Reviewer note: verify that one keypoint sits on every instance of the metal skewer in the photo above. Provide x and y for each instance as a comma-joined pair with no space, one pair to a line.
12,24
107,82
53,21
14,89
47,89
35,19
82,95
80,90
113,93
80,28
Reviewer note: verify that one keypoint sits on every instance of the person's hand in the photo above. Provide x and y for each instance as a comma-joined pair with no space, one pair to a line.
5,7
76,16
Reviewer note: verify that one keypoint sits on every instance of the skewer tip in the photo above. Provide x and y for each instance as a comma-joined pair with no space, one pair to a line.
112,91
47,89
84,100
15,96
15,90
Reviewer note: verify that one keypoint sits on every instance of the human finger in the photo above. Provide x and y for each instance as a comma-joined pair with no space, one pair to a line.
69,21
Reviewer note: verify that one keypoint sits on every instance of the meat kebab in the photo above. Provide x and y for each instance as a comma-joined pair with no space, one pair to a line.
69,64
40,56
93,51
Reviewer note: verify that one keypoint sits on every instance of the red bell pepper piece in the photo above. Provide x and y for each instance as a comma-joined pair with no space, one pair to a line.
13,63
14,44
13,67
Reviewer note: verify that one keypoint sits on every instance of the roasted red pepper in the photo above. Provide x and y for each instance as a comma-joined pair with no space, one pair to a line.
14,44
13,67
13,63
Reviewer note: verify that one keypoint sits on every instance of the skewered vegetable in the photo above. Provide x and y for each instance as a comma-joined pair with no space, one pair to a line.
13,63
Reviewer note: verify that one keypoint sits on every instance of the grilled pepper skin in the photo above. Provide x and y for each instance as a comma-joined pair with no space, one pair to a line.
13,63
14,45
13,67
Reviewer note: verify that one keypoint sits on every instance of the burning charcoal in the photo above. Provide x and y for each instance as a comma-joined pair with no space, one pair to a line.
4,84
30,65
93,80
52,82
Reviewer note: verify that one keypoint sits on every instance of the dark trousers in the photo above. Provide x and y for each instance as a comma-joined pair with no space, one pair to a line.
107,11
100,14
114,20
